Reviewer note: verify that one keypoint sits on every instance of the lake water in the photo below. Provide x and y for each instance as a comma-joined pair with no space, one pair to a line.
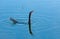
45,19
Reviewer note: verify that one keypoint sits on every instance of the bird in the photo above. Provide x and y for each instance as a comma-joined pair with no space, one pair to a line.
13,20
29,22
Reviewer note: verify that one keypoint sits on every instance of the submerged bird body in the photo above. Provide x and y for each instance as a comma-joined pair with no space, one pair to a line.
15,21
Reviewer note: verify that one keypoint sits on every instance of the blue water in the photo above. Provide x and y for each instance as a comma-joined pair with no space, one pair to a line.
45,19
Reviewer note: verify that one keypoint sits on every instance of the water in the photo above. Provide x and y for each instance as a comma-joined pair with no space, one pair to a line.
45,19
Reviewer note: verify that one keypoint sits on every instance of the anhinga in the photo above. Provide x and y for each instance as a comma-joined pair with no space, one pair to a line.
13,20
29,22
